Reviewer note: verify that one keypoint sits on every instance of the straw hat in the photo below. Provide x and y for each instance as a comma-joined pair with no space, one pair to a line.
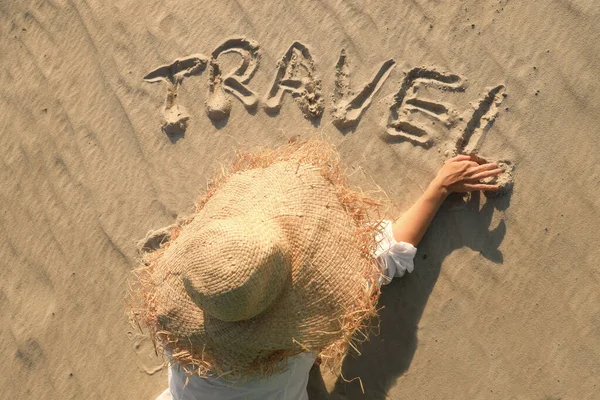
275,261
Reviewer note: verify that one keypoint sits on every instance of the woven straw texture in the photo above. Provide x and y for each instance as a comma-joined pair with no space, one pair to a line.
274,262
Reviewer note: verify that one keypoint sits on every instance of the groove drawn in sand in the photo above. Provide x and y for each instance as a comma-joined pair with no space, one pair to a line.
346,110
304,87
176,116
400,124
218,104
483,117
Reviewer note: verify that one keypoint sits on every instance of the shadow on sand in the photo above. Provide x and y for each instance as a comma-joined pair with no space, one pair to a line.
387,356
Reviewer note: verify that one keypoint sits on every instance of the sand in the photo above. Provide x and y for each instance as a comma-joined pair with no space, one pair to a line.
505,298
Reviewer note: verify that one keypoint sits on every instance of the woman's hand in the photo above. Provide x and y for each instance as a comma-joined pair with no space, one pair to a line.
459,174
464,174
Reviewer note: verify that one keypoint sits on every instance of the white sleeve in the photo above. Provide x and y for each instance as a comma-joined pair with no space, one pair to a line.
394,257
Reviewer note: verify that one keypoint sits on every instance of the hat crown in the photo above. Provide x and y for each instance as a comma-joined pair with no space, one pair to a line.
234,268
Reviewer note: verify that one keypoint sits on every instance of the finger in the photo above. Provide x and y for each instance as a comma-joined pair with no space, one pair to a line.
477,159
469,166
460,157
487,174
481,186
483,167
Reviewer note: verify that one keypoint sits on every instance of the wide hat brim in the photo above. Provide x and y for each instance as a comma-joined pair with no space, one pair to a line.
332,288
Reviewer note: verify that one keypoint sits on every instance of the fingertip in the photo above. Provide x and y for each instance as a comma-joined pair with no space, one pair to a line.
460,157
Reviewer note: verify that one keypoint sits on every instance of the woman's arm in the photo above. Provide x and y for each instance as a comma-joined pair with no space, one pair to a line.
459,174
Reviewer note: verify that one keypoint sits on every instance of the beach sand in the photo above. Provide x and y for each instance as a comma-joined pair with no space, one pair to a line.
504,301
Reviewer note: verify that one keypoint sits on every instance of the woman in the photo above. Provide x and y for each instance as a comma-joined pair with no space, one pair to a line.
282,262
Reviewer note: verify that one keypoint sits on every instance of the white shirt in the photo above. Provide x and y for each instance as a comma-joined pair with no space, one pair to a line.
395,258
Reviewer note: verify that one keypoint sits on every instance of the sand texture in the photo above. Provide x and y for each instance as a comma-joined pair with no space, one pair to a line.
114,114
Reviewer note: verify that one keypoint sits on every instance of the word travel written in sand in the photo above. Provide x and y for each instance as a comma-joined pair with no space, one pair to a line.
296,75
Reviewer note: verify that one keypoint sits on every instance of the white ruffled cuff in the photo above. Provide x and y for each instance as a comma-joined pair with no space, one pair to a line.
394,257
